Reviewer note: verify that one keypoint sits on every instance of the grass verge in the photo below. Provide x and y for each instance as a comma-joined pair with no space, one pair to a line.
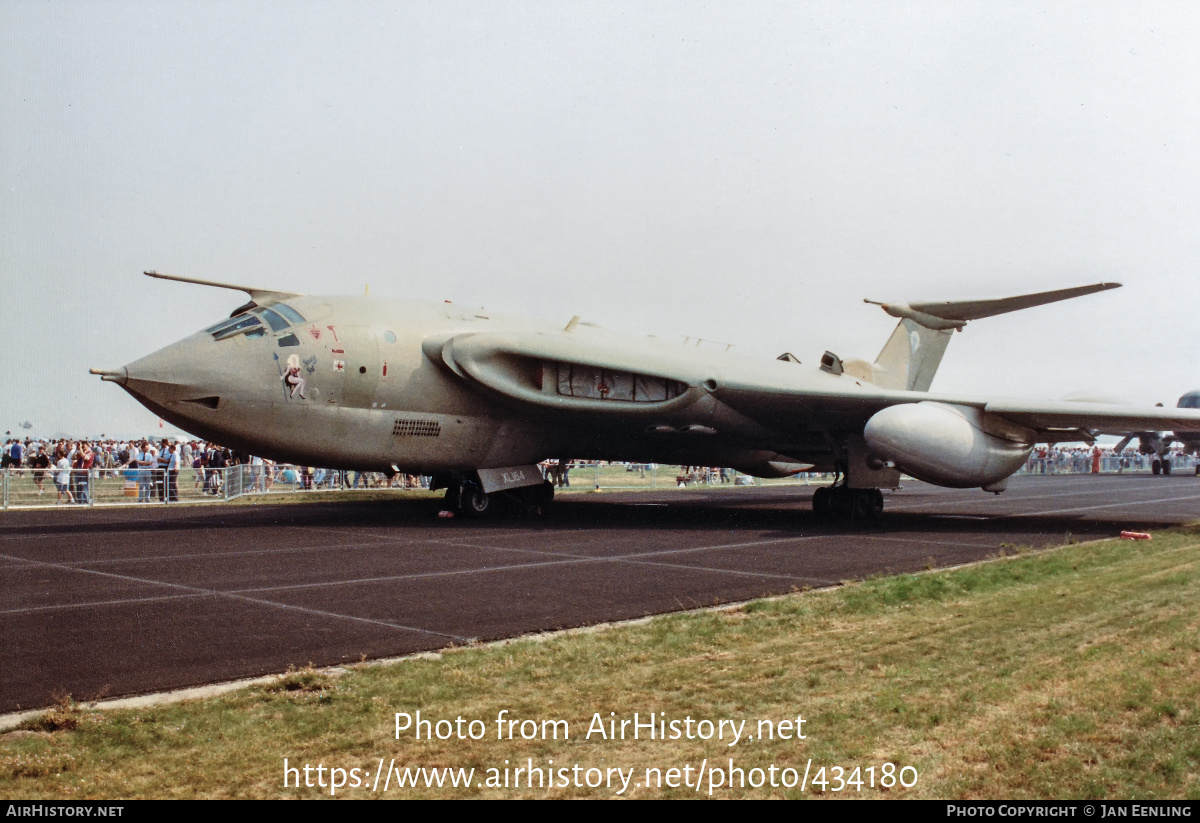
1061,674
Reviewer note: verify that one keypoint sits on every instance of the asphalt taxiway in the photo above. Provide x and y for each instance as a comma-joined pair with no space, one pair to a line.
111,602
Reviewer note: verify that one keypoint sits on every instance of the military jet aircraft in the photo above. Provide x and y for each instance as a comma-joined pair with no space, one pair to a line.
477,399
1189,441
1159,443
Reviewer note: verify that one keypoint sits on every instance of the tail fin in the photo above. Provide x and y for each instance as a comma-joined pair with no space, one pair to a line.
910,357
912,354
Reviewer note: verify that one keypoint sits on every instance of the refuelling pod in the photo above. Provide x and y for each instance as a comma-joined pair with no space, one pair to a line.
956,446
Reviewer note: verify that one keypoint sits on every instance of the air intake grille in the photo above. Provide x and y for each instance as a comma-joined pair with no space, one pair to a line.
416,428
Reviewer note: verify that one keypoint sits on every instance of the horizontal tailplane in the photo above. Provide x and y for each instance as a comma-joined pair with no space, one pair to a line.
911,356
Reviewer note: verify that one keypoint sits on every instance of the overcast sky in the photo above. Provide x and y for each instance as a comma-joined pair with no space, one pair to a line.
746,172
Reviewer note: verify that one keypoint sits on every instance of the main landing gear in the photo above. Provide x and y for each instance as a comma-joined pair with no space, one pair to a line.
1161,466
844,503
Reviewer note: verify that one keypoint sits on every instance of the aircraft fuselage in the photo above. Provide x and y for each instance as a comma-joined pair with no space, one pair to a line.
359,384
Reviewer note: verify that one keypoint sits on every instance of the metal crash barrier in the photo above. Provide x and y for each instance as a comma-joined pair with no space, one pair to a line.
28,488
1069,462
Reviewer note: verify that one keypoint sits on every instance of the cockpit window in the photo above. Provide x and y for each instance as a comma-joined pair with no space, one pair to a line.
224,324
287,311
279,317
239,325
1191,400
277,323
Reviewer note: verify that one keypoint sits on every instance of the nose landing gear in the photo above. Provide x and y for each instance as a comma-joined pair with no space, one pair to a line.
467,498
472,500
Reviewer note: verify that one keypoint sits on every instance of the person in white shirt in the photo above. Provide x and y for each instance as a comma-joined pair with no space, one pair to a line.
172,466
62,478
147,460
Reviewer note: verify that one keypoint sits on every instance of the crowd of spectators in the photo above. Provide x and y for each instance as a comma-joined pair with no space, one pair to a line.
151,468
1091,459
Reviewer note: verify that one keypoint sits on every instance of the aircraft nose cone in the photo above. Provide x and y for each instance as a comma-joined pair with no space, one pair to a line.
165,368
182,371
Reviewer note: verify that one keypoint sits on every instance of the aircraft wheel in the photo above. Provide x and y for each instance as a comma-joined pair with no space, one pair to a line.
876,502
821,501
841,503
1166,466
862,504
1156,467
475,501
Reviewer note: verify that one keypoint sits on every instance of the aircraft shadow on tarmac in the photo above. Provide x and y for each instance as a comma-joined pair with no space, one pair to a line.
775,516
